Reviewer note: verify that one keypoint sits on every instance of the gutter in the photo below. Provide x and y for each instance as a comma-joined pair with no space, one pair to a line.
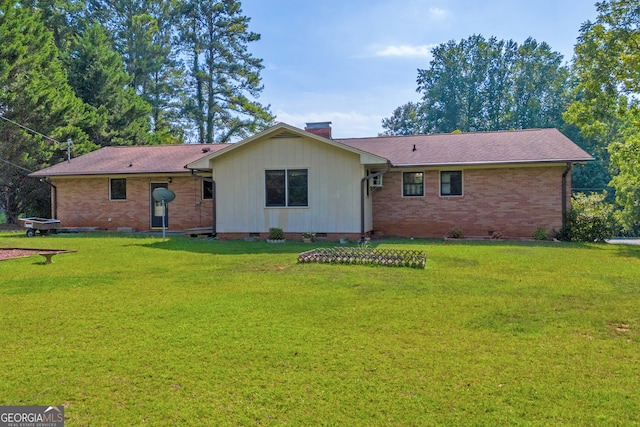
362,198
564,194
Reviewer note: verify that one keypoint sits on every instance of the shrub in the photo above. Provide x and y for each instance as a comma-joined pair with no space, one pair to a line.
540,234
276,234
456,233
590,219
498,235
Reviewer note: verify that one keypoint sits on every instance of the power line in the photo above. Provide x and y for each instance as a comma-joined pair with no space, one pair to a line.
16,166
29,129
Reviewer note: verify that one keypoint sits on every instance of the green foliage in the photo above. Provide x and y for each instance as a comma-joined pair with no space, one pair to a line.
480,85
590,219
456,233
276,233
309,235
99,78
404,120
541,234
607,107
143,34
224,77
35,95
140,331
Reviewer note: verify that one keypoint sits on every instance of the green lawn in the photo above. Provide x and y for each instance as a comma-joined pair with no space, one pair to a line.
131,330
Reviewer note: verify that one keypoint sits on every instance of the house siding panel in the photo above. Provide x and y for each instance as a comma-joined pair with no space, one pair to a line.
506,200
333,183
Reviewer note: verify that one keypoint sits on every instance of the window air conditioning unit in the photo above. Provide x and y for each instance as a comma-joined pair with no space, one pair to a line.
376,181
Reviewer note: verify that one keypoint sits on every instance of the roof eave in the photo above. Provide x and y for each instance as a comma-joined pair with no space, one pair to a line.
108,173
490,163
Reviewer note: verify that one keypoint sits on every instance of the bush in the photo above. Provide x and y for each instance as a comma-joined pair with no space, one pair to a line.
540,234
590,219
276,234
498,235
456,233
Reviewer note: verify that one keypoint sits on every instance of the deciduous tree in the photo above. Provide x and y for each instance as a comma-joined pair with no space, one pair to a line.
479,85
607,109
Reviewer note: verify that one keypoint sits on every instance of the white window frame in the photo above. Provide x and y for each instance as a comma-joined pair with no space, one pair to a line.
413,195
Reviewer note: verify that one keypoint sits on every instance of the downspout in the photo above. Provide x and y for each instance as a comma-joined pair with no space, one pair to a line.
54,201
564,194
213,197
362,198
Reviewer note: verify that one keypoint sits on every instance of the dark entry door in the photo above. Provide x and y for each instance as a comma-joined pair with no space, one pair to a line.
156,208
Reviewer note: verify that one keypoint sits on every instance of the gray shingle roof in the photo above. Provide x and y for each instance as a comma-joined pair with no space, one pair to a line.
132,160
525,146
488,148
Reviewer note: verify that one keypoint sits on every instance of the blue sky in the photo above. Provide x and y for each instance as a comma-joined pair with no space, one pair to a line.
352,62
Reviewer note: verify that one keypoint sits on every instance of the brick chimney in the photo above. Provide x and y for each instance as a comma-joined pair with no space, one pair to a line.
322,129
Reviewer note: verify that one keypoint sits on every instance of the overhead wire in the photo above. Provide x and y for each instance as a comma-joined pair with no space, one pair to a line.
29,129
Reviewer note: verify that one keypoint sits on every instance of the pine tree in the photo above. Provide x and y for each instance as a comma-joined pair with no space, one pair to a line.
99,79
224,75
34,95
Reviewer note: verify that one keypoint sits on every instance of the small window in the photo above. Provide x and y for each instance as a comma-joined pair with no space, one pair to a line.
413,184
207,190
451,183
286,187
118,189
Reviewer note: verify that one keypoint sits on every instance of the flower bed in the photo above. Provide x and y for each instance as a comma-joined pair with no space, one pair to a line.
366,256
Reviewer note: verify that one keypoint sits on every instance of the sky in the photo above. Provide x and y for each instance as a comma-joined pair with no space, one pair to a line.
352,62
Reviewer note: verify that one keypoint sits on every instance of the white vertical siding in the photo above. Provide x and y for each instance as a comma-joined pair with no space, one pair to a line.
333,179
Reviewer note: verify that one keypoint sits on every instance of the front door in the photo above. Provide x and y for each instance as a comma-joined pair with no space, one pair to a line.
156,208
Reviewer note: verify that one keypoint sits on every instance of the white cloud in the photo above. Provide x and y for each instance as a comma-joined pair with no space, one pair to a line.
438,14
406,51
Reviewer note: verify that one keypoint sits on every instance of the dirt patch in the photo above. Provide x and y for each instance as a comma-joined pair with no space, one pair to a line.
16,253
9,253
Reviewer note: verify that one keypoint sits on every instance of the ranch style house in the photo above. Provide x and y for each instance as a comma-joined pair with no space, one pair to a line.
510,182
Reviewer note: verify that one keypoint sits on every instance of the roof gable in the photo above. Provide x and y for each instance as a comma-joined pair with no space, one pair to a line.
283,130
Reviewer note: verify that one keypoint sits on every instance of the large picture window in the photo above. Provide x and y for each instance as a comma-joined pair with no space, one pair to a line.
287,187
118,189
451,183
413,184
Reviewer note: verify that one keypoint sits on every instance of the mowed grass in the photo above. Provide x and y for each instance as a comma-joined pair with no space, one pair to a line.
133,330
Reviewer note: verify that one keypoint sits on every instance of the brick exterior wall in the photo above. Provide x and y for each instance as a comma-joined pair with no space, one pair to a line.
84,202
512,201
